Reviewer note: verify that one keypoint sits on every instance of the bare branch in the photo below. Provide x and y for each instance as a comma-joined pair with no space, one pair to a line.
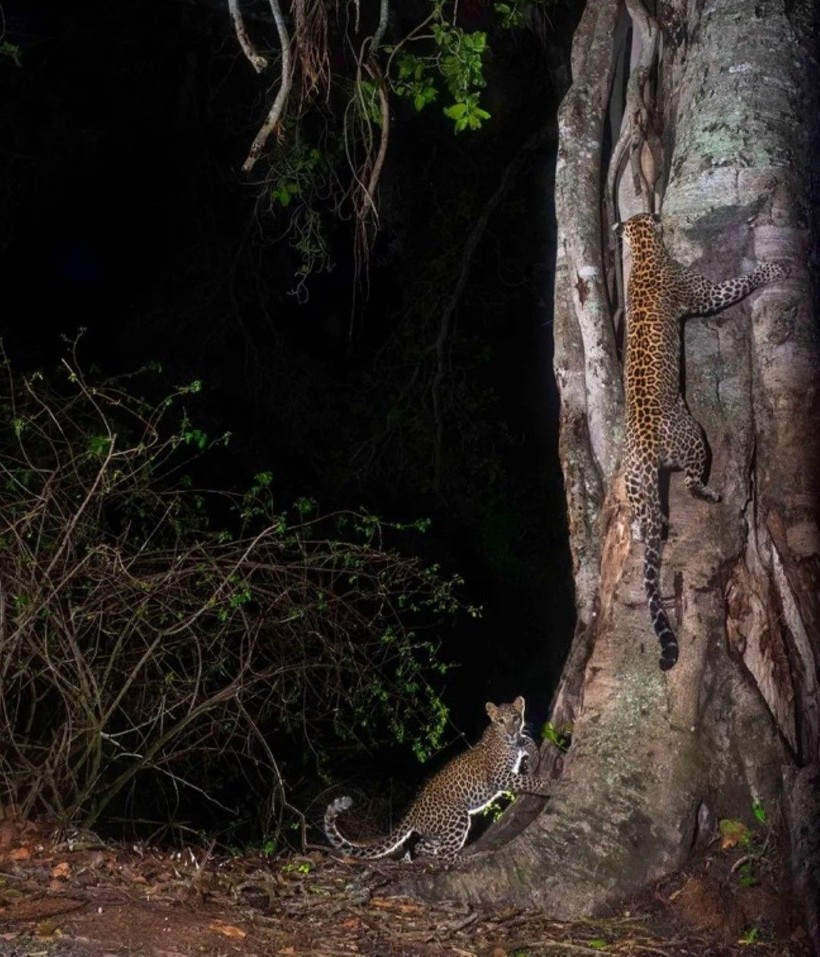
280,102
378,36
257,61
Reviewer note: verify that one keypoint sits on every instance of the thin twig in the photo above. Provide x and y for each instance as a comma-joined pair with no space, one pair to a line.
378,36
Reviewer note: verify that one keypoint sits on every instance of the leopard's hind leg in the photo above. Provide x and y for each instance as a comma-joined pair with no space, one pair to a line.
683,446
449,837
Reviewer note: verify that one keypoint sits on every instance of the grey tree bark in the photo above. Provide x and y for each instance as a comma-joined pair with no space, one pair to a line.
719,129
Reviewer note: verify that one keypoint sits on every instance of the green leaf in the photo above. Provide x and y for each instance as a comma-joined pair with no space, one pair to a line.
456,111
98,445
477,117
732,832
195,437
750,936
11,50
511,15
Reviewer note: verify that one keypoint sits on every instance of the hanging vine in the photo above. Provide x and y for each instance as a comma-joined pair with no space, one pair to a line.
315,163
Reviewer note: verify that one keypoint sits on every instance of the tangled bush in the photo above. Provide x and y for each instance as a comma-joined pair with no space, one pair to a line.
158,641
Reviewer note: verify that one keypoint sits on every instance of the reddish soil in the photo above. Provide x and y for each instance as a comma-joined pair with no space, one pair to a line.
83,898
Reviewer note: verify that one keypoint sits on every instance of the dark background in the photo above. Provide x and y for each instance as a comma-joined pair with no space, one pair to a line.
124,211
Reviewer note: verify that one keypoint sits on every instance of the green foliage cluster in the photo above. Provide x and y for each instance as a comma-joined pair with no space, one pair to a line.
158,640
758,845
303,177
511,14
455,58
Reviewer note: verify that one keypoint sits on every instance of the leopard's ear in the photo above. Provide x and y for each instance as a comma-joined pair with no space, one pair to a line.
518,705
492,710
617,228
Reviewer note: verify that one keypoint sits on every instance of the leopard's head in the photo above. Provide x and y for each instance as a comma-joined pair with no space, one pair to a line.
507,719
641,232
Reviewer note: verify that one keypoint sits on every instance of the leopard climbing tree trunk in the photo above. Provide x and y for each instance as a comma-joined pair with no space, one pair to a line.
711,111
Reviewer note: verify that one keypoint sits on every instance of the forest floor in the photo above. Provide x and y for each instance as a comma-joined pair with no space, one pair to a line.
85,898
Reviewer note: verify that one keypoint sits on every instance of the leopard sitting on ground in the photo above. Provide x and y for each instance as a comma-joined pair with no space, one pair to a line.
660,432
440,815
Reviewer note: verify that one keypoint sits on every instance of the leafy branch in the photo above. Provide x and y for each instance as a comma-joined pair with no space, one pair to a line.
326,135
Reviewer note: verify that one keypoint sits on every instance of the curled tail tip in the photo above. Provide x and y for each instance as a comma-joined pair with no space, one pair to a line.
333,810
669,658
337,840
669,649
339,805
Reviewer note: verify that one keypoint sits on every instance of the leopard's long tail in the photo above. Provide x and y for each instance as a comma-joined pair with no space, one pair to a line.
651,580
361,849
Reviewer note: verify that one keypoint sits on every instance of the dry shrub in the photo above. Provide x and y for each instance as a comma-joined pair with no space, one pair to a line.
148,648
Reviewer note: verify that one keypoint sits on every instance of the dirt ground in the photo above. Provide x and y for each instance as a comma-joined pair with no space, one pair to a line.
80,897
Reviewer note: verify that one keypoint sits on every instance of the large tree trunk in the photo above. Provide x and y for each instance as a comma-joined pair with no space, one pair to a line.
720,128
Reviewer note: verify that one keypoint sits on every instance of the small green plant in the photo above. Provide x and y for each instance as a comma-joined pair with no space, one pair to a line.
757,845
750,936
560,737
760,813
496,808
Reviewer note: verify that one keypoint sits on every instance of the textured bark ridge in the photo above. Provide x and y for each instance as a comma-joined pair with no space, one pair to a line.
732,113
